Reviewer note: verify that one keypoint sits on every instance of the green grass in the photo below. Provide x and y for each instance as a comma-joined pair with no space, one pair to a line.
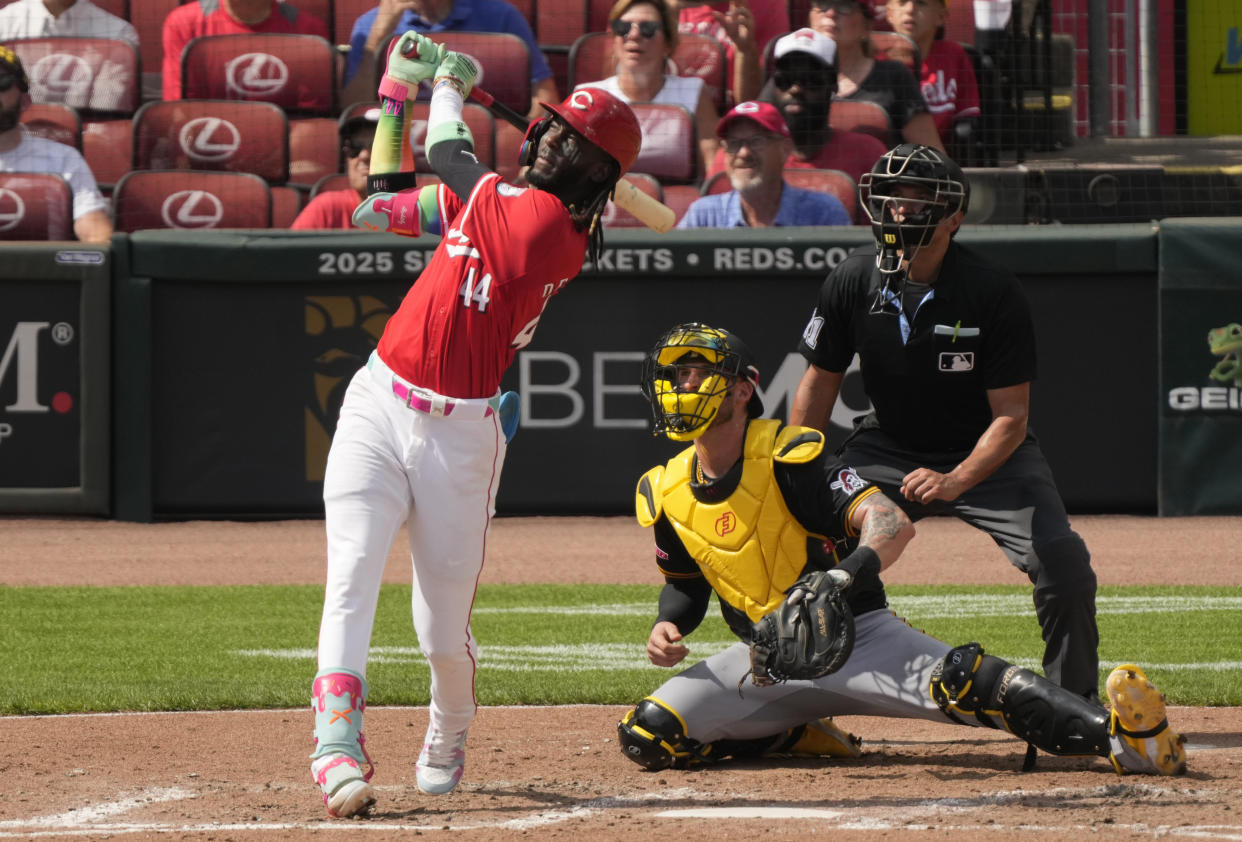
198,648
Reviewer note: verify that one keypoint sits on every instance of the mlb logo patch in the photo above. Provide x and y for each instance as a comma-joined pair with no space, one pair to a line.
961,361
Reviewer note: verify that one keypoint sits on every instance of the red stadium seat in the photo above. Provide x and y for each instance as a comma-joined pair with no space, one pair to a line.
120,8
837,183
35,206
108,147
860,116
296,72
614,217
590,59
960,25
314,149
508,147
54,121
670,145
202,134
191,200
560,22
287,203
504,58
94,75
679,197
147,16
897,47
345,14
476,117
331,181
597,14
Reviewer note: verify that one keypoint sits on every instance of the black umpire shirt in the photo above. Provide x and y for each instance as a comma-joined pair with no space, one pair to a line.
973,332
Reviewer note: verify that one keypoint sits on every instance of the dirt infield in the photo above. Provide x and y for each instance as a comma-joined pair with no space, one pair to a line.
556,772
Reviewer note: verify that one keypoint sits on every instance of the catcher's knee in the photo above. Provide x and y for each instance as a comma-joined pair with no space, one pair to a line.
653,735
969,684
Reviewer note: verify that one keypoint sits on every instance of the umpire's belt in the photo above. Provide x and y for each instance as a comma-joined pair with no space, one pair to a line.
424,400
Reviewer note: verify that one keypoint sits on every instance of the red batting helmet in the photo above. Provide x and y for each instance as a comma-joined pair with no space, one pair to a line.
605,121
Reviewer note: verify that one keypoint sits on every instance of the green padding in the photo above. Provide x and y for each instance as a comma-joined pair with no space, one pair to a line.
1199,253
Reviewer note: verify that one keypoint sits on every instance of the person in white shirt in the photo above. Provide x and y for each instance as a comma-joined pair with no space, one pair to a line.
24,152
55,18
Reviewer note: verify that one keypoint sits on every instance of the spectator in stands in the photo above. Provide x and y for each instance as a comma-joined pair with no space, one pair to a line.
374,29
743,29
24,152
756,143
335,208
228,17
862,76
57,18
644,36
946,73
802,87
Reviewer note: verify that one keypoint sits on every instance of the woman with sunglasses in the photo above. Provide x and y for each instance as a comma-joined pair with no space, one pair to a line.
862,76
644,37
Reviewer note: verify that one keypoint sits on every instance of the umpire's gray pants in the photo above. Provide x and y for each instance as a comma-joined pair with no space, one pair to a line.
1020,507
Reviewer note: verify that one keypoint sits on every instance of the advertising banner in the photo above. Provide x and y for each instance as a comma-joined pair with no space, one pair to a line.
1214,67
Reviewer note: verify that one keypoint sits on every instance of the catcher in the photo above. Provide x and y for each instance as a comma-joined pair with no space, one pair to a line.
760,514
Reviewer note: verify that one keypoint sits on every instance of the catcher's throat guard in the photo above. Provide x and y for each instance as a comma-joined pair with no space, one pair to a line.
808,636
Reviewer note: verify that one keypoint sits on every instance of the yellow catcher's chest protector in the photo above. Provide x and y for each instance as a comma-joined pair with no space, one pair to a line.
750,548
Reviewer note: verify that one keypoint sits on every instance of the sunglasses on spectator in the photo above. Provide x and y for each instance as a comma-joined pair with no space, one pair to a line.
7,80
354,147
646,28
841,7
786,79
755,143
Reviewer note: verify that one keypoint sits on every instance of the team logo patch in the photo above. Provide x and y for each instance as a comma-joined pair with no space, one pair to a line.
810,335
848,481
959,361
506,189
726,523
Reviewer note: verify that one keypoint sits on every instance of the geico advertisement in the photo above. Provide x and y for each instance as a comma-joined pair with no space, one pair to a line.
1202,349
40,387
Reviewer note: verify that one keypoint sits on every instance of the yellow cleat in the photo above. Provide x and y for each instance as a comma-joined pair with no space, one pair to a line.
1139,733
821,738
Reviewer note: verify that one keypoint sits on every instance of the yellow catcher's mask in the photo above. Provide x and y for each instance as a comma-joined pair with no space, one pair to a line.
687,374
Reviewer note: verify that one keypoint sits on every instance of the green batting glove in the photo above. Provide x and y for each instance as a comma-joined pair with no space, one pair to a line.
458,69
413,59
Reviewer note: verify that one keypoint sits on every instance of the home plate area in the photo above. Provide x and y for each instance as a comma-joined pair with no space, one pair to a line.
556,772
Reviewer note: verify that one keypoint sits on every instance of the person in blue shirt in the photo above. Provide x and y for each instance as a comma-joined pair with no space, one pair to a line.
756,143
375,28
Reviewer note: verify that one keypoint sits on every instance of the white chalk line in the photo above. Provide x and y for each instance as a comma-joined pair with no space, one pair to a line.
85,822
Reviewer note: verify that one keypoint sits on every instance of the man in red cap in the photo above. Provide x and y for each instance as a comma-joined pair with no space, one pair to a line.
756,143
423,428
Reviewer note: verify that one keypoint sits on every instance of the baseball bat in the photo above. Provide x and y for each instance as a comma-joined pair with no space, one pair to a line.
654,214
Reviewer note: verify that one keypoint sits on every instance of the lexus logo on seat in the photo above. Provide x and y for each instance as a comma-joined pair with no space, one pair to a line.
192,209
61,75
255,74
12,209
209,139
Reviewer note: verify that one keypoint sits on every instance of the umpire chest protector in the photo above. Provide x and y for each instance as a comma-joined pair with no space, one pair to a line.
749,546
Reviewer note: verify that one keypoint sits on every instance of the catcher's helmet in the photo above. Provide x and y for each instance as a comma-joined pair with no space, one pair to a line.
921,166
683,414
598,116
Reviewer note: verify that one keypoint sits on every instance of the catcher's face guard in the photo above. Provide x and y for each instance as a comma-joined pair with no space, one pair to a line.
685,378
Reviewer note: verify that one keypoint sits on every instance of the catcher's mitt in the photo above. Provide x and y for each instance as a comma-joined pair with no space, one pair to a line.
809,635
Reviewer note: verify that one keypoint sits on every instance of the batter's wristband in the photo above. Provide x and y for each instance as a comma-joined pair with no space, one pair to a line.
389,182
862,560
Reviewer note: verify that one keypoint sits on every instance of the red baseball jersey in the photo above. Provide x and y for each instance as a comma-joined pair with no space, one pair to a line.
506,252
330,209
949,86
208,17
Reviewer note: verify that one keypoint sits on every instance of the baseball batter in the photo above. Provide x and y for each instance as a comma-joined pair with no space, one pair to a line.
420,437
744,512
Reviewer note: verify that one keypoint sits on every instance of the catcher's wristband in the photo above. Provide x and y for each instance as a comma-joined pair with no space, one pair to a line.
862,560
389,182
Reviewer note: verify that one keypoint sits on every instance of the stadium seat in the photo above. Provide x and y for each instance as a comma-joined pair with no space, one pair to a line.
590,59
222,135
120,8
147,16
679,197
296,72
561,22
54,121
505,60
597,14
859,116
837,183
314,149
508,146
318,9
331,181
614,217
287,203
345,14
108,147
897,47
670,145
35,206
96,76
476,117
717,182
960,25
190,200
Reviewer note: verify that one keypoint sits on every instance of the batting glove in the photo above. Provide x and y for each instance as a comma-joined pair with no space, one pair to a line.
413,59
459,70
392,213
